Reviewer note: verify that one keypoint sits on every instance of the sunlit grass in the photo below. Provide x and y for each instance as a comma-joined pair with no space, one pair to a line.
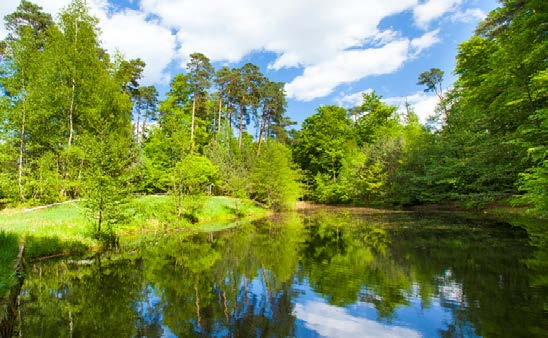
65,229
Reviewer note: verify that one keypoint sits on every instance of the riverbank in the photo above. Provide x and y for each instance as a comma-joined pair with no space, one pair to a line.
65,229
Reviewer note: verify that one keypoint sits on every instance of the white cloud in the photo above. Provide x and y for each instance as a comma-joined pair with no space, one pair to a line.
433,9
423,42
331,321
469,15
321,79
348,66
128,31
424,104
333,42
301,33
352,100
134,35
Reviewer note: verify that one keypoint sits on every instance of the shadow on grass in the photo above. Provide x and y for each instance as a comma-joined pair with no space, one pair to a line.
9,248
235,211
37,247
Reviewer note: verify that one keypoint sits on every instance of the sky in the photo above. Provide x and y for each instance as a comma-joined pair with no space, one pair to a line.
326,51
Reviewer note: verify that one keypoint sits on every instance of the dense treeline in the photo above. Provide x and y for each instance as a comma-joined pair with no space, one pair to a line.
76,123
487,142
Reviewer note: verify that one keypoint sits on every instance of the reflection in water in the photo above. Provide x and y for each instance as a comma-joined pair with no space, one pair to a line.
332,321
397,275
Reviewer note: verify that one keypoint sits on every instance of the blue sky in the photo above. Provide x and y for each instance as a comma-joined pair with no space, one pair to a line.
326,51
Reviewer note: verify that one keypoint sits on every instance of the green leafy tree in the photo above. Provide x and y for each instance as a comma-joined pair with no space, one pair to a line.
322,152
21,50
275,185
192,177
493,124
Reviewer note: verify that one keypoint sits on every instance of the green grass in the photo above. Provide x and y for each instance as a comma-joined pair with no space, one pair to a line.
66,229
157,211
9,248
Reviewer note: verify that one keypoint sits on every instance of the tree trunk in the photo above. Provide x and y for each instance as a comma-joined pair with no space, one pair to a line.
73,94
100,217
241,127
219,117
145,117
261,132
21,150
138,121
192,124
71,110
225,307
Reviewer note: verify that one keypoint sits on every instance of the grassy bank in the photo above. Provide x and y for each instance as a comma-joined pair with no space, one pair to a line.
9,248
65,229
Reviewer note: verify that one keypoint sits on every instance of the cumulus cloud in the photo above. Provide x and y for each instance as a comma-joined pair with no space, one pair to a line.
332,321
423,103
430,10
332,42
321,79
128,31
134,35
425,41
301,33
468,15
352,100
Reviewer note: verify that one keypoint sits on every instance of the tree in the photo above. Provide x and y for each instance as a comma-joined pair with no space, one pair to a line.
147,105
200,72
191,177
27,28
322,152
128,73
28,16
433,80
494,114
273,108
248,95
277,186
377,119
224,79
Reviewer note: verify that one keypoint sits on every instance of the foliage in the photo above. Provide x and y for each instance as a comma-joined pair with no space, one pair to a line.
322,152
279,188
76,123
191,178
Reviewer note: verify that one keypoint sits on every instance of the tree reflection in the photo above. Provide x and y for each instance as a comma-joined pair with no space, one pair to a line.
245,281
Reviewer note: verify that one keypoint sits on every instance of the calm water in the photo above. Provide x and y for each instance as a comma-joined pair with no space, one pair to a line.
311,275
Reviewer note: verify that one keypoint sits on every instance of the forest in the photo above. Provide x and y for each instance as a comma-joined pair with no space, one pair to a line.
76,124
125,211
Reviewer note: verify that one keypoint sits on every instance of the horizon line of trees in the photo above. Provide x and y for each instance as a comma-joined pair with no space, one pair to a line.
77,123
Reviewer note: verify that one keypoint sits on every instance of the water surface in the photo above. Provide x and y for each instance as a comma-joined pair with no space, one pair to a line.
304,275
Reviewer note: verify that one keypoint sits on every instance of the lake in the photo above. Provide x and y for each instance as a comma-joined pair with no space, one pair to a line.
309,274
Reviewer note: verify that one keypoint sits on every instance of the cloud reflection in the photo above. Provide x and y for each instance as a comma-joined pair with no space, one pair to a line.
331,321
